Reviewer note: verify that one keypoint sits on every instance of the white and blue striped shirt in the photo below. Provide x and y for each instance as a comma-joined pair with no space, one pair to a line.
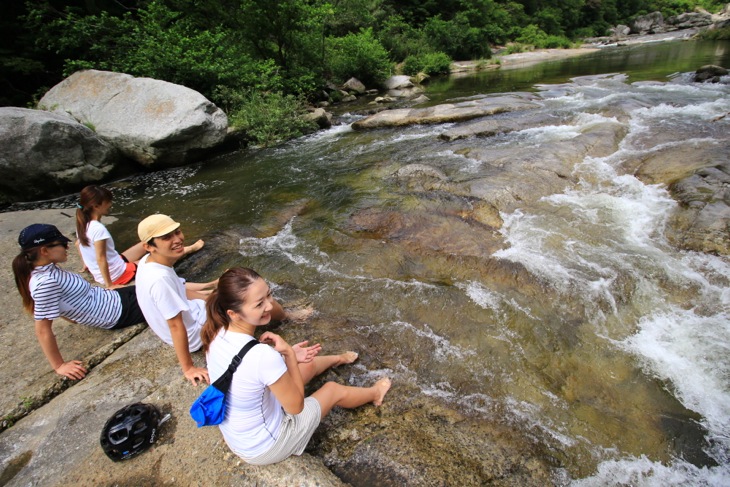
57,293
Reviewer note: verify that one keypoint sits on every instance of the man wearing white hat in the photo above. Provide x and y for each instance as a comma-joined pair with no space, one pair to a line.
173,308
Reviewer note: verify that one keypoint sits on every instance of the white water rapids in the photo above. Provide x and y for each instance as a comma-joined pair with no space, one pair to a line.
616,226
620,372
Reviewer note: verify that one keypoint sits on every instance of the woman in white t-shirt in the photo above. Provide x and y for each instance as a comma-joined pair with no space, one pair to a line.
109,267
267,418
50,292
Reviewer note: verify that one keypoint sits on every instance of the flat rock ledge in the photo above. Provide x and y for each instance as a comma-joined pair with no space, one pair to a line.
449,112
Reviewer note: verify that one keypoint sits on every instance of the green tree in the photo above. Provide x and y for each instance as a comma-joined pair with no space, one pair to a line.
360,55
291,32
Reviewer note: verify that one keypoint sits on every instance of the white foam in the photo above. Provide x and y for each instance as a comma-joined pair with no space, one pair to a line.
692,353
466,164
642,472
443,348
481,295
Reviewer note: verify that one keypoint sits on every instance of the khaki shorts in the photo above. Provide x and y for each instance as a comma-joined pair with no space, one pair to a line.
296,431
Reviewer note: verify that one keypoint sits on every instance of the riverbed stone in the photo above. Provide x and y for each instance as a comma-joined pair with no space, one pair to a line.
398,82
156,123
521,178
709,74
698,176
43,155
690,20
354,85
513,121
702,220
434,446
321,117
449,112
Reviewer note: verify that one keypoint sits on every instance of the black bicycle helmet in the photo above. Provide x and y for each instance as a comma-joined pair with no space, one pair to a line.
130,431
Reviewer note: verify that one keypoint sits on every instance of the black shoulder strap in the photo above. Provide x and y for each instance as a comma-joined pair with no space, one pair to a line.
224,381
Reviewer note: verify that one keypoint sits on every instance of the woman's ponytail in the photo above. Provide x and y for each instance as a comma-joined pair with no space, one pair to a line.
89,198
23,265
232,287
216,319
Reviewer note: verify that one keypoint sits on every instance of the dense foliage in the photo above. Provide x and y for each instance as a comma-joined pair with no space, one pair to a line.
229,49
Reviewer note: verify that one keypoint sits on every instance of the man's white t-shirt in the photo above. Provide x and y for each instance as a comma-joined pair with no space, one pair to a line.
161,296
253,414
97,231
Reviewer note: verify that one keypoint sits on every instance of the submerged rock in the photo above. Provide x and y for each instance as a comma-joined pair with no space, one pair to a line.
522,177
448,112
709,74
702,221
698,177
502,125
153,122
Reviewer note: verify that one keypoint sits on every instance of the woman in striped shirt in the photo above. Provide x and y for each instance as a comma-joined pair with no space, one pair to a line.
50,292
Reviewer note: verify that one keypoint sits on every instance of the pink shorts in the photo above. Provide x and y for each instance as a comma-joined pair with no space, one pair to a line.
129,272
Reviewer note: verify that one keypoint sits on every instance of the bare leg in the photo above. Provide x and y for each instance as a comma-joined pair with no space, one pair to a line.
333,394
77,244
134,253
321,363
189,249
277,312
299,314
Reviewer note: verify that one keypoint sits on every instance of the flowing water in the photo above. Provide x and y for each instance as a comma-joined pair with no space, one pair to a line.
614,355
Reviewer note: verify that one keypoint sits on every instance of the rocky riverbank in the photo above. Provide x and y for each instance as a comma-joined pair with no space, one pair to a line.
52,426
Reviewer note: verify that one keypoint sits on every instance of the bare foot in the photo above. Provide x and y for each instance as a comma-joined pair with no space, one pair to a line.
348,357
382,386
194,248
299,314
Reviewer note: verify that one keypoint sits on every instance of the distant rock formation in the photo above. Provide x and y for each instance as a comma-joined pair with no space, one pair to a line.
652,23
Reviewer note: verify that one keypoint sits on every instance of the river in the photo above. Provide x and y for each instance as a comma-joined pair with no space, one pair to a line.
612,355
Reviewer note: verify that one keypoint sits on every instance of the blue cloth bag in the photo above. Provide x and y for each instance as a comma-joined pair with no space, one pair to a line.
209,409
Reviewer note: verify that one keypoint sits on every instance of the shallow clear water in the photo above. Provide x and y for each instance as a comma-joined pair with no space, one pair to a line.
612,355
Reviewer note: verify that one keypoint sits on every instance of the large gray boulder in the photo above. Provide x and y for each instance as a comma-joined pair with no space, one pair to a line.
44,154
156,123
652,23
690,20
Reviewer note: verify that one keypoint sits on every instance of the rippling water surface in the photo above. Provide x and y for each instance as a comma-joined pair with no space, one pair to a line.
619,369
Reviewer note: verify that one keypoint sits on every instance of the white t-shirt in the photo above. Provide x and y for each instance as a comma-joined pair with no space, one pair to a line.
96,231
161,296
253,414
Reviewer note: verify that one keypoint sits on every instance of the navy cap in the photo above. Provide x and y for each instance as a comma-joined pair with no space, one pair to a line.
39,234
